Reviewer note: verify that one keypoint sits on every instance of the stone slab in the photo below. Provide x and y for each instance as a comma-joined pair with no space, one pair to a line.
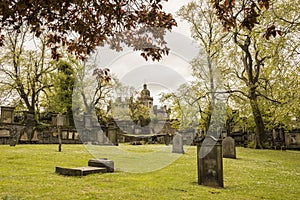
80,171
102,162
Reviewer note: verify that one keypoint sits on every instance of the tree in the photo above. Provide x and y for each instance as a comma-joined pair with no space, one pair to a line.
82,25
26,72
62,91
184,114
93,90
139,113
207,31
258,69
240,18
243,14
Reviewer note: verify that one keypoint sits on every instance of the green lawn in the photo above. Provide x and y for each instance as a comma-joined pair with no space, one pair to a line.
28,172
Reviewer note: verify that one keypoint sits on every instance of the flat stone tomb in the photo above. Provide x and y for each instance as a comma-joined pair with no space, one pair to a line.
102,162
80,171
102,165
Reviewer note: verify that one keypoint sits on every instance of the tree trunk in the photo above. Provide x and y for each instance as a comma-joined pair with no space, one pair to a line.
260,135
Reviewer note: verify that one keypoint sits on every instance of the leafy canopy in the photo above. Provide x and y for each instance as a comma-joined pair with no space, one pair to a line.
82,25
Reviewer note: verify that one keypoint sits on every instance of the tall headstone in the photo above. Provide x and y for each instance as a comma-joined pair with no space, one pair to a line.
113,134
228,145
177,144
209,161
88,120
60,120
167,139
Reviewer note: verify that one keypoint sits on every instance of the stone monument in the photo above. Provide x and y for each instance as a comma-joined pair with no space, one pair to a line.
113,134
209,161
177,144
228,145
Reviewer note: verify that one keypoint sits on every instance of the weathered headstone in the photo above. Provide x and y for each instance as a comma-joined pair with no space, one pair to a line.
88,123
209,161
177,144
76,136
35,137
60,120
102,162
64,135
228,145
113,135
167,139
24,135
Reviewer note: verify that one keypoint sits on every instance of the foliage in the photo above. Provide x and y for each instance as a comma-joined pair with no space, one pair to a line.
245,15
83,25
183,112
62,92
257,71
93,88
26,72
256,63
207,31
139,113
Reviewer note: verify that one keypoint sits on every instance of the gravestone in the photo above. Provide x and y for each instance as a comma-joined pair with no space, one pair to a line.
113,134
60,120
35,137
209,161
101,165
167,139
102,162
64,135
177,144
76,136
228,145
23,135
88,121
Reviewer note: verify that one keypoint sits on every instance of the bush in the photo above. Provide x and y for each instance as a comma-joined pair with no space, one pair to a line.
251,145
265,145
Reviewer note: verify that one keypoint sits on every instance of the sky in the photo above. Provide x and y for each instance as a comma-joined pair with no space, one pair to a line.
163,76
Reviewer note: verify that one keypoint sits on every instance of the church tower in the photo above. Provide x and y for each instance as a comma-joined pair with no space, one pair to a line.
145,97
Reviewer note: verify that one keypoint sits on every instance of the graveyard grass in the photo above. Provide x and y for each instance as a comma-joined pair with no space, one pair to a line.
28,172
